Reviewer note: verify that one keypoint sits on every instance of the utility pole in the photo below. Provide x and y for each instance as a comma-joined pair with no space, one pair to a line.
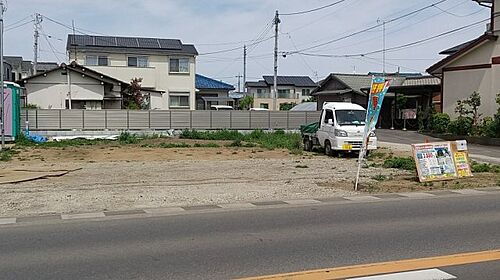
2,94
239,81
244,68
275,86
383,48
38,21
73,25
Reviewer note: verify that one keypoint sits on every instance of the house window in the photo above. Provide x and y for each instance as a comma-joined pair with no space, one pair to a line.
179,65
306,92
96,60
264,105
260,90
179,100
138,61
284,93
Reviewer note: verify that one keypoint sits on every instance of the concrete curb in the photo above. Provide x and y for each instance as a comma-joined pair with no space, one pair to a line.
170,211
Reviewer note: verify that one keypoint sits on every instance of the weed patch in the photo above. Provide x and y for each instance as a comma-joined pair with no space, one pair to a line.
405,163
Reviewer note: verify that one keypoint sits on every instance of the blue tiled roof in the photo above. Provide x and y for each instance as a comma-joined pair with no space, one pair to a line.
203,82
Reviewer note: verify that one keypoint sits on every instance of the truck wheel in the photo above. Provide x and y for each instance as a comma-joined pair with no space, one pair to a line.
308,145
328,148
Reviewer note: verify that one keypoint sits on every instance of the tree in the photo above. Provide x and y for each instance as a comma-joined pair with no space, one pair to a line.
246,102
469,108
133,98
286,106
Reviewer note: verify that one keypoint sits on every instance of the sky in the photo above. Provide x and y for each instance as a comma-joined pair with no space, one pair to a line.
226,25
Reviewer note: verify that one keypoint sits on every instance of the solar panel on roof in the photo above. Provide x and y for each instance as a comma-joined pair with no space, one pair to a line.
127,42
149,43
82,40
170,44
105,41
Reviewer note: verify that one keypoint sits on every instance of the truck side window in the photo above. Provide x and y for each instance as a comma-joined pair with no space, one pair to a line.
328,116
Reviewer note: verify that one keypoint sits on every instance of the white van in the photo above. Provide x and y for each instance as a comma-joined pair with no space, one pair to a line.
341,128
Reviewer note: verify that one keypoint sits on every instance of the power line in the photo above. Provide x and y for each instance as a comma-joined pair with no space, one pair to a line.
369,28
404,46
313,10
456,15
19,25
14,23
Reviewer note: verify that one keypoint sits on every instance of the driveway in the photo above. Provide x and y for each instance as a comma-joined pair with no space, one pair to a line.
482,153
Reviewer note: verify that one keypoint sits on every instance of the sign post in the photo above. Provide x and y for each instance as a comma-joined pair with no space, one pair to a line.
378,90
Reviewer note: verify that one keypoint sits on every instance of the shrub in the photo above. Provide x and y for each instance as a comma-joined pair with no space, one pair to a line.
206,145
128,138
7,154
487,127
406,163
439,122
460,126
174,145
484,167
272,140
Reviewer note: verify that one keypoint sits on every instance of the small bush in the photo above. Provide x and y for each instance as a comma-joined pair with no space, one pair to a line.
7,154
206,145
128,138
173,145
406,163
379,177
460,126
439,122
484,167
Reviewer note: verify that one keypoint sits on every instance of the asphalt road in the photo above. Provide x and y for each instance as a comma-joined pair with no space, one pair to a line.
234,244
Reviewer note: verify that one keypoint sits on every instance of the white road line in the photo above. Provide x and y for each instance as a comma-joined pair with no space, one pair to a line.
302,201
237,205
165,210
362,198
83,216
8,221
428,274
417,195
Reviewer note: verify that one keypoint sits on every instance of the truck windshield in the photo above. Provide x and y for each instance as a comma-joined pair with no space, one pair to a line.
350,117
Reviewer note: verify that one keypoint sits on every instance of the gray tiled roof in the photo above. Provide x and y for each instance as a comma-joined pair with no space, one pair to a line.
298,81
14,61
422,81
46,66
355,81
256,84
159,44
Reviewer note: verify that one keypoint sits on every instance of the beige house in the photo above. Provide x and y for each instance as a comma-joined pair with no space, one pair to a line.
291,90
472,66
73,84
167,67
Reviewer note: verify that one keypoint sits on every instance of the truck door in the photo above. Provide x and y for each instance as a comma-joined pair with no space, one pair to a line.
326,126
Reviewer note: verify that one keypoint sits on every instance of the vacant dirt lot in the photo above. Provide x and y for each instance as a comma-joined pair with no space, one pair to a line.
110,176
115,177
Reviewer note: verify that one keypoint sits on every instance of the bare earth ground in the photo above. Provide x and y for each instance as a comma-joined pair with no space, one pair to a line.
121,177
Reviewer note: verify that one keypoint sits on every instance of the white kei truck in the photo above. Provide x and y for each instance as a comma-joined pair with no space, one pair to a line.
340,129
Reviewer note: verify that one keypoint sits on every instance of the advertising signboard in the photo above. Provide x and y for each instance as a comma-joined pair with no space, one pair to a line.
441,161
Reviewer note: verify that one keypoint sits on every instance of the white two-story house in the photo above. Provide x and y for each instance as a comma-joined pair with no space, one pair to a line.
291,90
167,67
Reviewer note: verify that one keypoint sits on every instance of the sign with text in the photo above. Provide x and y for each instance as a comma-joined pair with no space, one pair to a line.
441,161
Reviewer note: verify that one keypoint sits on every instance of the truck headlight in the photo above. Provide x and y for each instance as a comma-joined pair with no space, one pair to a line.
372,134
340,133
